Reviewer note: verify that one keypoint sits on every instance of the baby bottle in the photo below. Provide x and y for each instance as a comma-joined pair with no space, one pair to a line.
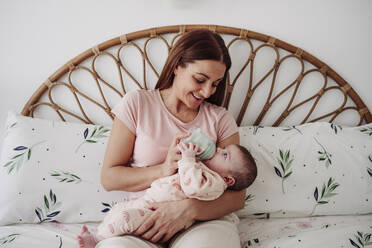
207,146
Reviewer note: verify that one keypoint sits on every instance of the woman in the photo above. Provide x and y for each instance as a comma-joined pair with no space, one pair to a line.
147,127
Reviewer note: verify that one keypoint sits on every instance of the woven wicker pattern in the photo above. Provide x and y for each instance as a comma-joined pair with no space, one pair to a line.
240,35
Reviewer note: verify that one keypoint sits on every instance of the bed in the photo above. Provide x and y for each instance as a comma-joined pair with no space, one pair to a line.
307,128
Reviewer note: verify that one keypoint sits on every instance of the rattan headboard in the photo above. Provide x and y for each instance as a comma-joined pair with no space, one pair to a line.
243,96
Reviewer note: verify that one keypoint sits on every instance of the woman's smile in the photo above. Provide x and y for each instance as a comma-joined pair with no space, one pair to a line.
197,81
197,98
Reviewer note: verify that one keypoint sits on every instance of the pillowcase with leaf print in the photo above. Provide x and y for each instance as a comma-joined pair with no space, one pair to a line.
311,169
50,170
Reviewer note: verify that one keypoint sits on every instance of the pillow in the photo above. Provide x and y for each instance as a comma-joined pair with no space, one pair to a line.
50,170
311,169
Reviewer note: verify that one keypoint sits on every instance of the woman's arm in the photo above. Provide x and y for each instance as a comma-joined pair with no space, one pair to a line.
229,202
116,175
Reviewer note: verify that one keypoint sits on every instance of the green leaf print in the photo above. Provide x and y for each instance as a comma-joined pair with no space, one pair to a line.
10,126
249,198
98,133
64,176
268,215
324,155
362,239
255,129
369,170
9,238
326,193
48,210
17,160
60,242
289,128
325,226
285,164
336,128
250,243
366,130
107,206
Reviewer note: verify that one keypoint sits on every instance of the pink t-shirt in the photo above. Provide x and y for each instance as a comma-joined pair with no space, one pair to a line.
146,116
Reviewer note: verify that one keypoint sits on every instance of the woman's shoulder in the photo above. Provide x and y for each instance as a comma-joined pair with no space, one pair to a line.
140,96
221,119
141,93
218,113
214,109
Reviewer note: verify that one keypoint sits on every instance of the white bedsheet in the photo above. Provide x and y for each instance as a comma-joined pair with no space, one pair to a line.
51,234
325,231
328,231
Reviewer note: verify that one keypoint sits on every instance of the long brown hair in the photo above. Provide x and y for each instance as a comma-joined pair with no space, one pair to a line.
198,44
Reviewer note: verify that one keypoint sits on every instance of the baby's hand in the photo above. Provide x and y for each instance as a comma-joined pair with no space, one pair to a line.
188,150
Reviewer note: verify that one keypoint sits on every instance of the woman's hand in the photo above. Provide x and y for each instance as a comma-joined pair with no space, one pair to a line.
170,165
167,219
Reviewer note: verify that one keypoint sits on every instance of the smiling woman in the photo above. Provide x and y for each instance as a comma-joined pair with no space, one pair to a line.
192,84
203,44
148,127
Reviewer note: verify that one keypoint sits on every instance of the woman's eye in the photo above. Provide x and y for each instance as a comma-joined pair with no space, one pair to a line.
225,155
214,85
199,81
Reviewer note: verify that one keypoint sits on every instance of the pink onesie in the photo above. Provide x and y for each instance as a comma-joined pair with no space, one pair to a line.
193,180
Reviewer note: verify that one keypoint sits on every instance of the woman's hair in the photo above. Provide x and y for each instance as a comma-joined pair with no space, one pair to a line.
198,44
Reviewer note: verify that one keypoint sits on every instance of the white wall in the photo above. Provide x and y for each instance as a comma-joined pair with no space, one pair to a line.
38,36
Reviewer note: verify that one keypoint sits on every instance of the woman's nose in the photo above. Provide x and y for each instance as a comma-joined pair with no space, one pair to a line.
207,91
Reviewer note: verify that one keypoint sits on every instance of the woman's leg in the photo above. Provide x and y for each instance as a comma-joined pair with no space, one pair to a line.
214,233
126,241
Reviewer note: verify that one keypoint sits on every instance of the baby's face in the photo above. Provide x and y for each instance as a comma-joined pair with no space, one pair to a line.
224,159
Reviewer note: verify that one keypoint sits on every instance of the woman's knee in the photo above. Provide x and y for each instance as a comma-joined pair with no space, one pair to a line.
126,241
216,233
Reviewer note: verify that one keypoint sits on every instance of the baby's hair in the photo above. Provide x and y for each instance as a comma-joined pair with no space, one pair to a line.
246,173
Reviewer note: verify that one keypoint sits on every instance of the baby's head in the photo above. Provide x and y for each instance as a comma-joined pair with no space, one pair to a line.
235,164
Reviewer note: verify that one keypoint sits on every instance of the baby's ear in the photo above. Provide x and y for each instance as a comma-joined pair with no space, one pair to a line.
229,180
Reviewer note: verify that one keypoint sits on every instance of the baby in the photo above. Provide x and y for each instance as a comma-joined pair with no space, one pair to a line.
232,167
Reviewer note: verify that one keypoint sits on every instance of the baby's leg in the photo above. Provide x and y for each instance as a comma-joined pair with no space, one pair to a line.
86,239
121,220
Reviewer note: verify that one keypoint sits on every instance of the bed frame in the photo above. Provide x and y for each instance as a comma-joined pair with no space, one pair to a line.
248,93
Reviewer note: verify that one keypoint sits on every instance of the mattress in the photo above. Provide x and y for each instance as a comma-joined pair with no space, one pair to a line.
327,231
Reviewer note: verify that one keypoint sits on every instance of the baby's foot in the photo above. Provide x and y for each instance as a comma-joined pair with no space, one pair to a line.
86,238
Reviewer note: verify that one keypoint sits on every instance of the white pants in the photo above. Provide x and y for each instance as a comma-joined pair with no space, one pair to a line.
215,233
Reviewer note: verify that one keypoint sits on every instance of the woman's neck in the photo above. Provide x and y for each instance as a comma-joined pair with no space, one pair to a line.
176,106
